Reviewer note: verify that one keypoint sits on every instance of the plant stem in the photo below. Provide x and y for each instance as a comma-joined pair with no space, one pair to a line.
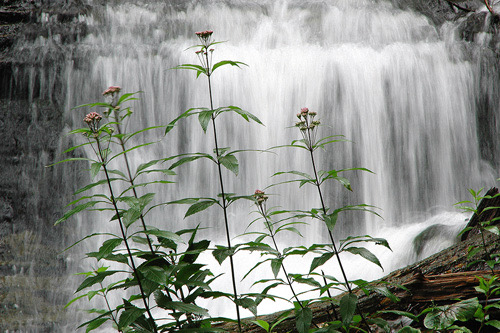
223,195
329,295
130,179
122,229
261,209
311,150
109,308
280,256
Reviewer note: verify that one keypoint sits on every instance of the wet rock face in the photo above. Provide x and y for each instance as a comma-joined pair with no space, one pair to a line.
32,196
440,11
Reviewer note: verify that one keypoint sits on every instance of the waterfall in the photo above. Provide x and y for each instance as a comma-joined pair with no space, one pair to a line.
402,91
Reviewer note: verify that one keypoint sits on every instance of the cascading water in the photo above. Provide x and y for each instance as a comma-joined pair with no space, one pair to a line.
384,78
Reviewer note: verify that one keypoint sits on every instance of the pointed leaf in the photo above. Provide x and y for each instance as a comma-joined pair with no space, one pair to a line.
221,253
94,169
204,118
107,247
198,207
230,162
276,266
347,308
365,254
95,324
129,316
90,281
262,323
303,319
318,261
75,210
155,274
227,62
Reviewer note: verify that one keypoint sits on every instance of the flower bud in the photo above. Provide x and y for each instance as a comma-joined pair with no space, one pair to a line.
112,90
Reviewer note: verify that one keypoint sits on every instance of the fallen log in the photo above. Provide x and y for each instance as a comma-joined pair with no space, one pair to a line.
440,279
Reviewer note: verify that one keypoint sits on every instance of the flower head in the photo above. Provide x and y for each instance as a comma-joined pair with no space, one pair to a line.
204,34
111,91
260,196
92,117
304,111
204,37
92,120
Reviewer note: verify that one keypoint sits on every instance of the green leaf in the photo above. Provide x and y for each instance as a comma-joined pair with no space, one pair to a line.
303,319
331,220
347,308
190,159
74,300
90,281
89,186
309,281
247,303
155,274
365,254
318,261
129,316
204,118
185,114
494,323
227,62
130,216
75,210
107,247
276,266
441,317
198,207
92,325
493,229
117,257
385,292
165,234
94,169
125,97
230,162
262,323
197,68
244,114
221,253
185,308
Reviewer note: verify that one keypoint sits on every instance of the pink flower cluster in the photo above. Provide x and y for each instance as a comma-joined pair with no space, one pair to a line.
204,34
92,117
260,196
111,90
92,120
307,121
204,37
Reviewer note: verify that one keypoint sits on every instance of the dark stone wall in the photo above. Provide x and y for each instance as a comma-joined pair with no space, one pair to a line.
440,11
33,289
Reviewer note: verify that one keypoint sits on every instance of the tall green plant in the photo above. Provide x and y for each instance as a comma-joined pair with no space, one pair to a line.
166,274
308,126
223,157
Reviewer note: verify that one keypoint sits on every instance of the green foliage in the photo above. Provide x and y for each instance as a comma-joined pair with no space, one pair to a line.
160,269
442,317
